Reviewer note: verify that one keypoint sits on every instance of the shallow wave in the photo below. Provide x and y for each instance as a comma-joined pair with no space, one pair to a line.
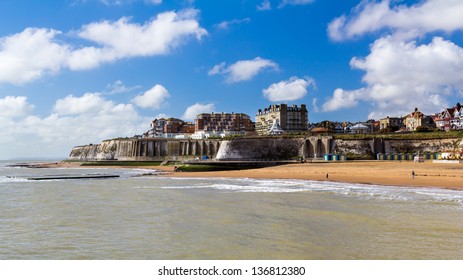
361,191
7,179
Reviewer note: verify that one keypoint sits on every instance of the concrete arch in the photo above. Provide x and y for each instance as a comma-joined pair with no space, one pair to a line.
308,149
316,147
211,149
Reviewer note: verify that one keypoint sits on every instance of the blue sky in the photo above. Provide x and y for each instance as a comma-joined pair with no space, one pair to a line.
79,71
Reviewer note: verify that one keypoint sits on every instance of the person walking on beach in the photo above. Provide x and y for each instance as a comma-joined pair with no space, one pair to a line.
413,174
327,176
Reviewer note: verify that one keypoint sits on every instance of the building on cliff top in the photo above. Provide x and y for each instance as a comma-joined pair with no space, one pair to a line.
450,118
290,119
169,128
391,124
417,119
222,124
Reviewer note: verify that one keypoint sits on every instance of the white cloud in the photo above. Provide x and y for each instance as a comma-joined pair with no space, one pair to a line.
192,111
226,24
404,21
89,103
243,70
403,75
217,69
284,3
292,89
126,2
24,134
119,87
315,106
154,2
35,52
89,118
153,98
161,116
122,38
343,99
30,54
112,2
14,106
264,6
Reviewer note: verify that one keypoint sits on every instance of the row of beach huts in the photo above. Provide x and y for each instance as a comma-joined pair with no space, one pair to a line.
393,156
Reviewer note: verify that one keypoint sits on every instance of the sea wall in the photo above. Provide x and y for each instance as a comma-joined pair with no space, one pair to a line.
146,149
259,148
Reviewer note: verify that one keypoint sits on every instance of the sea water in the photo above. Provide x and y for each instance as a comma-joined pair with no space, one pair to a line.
157,217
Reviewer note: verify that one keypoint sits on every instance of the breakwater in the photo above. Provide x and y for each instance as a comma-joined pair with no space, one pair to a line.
258,148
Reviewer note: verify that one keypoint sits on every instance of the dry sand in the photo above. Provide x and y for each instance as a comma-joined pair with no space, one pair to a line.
392,173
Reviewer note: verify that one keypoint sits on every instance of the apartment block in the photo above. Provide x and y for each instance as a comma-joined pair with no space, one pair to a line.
290,118
223,124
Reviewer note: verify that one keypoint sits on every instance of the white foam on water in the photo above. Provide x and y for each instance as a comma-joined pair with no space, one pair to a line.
361,191
8,179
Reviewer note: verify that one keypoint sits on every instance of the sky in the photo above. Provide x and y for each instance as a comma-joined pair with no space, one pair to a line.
76,72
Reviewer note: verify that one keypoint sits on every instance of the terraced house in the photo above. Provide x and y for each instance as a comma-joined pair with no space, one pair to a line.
450,118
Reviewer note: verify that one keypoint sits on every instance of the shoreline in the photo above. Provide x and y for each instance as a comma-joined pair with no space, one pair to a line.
385,173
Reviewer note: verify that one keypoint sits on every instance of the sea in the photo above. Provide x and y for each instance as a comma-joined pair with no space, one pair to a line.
140,217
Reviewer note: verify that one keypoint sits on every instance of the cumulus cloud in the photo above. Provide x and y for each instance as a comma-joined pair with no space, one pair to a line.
36,52
292,89
89,103
343,99
158,36
403,75
75,120
192,111
30,54
153,98
14,106
243,70
404,21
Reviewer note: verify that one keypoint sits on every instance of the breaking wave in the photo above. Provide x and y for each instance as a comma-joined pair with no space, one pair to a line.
8,179
361,191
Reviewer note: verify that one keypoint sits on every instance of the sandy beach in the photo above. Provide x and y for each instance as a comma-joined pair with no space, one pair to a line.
392,173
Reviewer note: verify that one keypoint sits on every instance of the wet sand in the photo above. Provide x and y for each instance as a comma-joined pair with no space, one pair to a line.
392,173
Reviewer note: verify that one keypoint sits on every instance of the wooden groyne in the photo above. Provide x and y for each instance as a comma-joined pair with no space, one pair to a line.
73,177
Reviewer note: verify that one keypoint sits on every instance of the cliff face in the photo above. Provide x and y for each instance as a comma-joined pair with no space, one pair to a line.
364,148
115,149
84,153
423,146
